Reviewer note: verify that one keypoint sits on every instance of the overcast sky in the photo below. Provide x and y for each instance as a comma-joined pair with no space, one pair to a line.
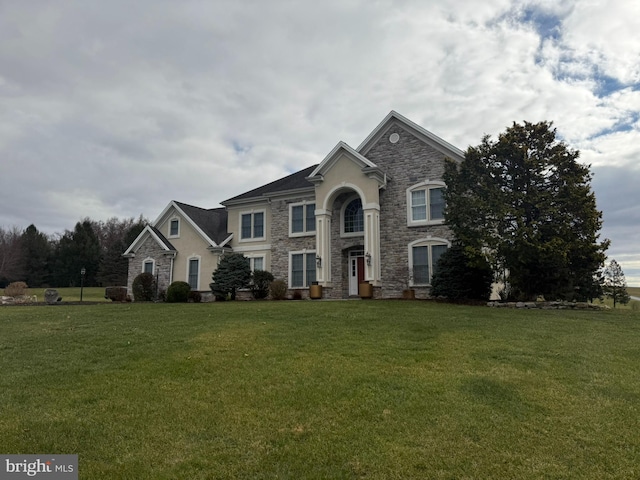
115,108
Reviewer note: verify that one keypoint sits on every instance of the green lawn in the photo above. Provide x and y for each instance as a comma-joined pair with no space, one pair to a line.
321,390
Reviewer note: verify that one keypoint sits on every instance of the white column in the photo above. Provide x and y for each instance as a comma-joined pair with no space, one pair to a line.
372,244
323,247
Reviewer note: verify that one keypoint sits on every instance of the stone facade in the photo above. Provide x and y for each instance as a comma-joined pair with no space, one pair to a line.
284,243
408,162
162,268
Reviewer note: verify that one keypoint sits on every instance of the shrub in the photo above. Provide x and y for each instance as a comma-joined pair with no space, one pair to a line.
459,277
297,295
116,294
144,287
232,274
16,289
178,292
278,289
260,286
195,296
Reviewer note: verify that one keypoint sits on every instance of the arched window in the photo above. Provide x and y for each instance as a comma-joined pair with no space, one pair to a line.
353,217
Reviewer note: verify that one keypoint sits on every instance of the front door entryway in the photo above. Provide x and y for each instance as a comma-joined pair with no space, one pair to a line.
356,270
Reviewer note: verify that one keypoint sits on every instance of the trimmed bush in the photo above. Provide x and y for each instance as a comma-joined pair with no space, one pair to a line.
144,287
460,277
260,286
16,289
195,296
178,292
278,290
116,294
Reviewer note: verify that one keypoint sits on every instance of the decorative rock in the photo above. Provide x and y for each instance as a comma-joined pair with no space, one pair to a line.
51,296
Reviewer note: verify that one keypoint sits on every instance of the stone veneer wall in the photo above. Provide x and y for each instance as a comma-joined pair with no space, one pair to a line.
407,162
282,243
162,271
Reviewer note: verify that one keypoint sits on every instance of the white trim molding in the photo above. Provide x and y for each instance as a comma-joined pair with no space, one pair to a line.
425,186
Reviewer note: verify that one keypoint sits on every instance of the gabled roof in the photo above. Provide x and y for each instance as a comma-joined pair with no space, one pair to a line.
368,167
211,224
327,162
153,232
429,138
291,183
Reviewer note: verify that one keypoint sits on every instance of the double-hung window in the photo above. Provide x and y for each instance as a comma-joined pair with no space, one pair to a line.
148,265
425,203
303,219
303,269
256,263
174,227
194,269
252,226
423,259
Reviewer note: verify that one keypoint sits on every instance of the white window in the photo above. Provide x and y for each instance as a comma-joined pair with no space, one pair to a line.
423,259
302,269
174,227
302,219
148,266
252,225
352,218
193,272
256,263
425,204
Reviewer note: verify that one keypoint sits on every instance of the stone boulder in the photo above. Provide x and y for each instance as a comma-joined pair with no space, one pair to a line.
51,296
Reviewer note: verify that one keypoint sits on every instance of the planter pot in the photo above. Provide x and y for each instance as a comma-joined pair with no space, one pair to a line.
409,294
315,291
365,290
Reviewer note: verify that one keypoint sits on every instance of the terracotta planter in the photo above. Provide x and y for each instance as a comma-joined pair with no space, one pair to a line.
365,290
315,291
409,294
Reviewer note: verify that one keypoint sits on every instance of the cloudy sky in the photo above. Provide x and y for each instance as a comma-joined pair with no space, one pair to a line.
115,108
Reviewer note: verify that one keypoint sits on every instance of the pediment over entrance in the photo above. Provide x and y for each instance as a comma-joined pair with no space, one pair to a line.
345,169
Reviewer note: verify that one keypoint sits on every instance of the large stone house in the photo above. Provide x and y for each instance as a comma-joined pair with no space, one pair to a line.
368,214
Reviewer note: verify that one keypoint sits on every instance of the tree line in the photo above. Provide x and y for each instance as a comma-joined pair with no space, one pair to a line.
42,260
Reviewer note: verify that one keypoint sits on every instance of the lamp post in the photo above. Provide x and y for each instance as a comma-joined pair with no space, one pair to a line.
83,271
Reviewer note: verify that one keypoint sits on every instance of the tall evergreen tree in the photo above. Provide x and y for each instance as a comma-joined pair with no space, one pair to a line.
36,257
526,202
76,250
615,285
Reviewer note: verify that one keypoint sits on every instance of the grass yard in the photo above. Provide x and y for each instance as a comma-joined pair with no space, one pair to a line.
323,390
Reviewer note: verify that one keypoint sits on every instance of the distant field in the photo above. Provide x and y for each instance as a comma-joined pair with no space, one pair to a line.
323,390
635,291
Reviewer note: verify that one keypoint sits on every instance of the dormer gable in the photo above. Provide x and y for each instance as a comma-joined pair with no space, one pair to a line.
343,152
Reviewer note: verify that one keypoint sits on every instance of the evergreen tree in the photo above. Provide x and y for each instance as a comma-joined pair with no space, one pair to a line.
36,257
233,273
459,277
526,202
115,236
615,285
76,250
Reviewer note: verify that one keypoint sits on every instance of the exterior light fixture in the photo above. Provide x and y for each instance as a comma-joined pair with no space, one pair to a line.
368,257
83,272
318,261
